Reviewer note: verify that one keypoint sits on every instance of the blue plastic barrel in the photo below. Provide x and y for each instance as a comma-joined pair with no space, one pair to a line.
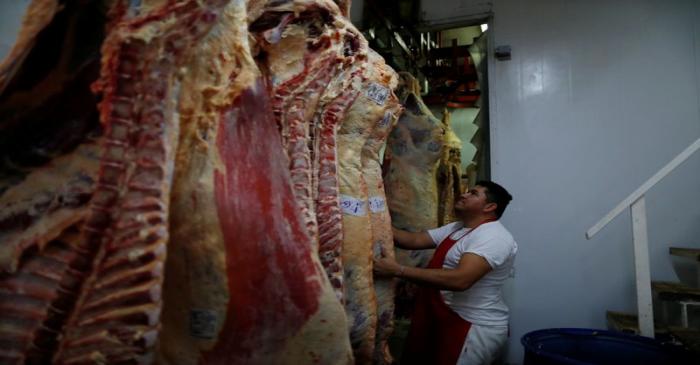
582,346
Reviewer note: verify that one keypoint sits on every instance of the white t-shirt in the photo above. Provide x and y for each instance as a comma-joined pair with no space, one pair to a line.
481,304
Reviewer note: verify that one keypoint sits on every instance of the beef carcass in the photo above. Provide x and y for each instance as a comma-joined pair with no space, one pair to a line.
307,46
448,173
34,300
242,287
46,107
117,314
302,54
49,200
315,68
361,135
46,112
360,302
380,219
412,154
340,94
48,127
254,289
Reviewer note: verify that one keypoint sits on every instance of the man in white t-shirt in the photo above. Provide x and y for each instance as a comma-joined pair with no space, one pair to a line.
459,315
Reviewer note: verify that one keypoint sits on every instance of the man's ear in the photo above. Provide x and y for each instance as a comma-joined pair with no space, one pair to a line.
490,207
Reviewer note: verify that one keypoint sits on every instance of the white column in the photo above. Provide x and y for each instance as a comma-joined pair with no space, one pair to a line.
641,265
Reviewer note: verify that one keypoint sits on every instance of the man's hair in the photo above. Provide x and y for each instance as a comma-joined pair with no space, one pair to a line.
496,194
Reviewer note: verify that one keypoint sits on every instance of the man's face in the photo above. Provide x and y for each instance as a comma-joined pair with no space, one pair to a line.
472,201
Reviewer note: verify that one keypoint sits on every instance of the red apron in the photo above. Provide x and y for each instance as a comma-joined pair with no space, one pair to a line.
437,333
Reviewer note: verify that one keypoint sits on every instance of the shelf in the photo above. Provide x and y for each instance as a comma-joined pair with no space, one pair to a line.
628,323
669,291
690,338
692,253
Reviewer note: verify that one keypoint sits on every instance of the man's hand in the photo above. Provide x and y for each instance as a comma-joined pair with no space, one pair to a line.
385,266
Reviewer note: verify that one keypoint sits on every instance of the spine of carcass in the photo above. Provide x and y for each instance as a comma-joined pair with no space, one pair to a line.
298,126
35,300
327,193
308,127
117,315
313,161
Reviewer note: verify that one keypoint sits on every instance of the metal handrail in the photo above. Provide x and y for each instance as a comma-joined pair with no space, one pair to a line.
637,205
627,202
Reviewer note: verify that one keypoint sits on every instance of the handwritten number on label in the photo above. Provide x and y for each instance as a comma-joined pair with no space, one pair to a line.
352,206
376,204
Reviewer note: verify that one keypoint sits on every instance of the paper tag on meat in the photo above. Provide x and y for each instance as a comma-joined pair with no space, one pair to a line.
377,93
376,204
377,249
203,323
386,120
353,206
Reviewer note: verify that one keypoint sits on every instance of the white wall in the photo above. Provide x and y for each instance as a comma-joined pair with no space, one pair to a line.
597,97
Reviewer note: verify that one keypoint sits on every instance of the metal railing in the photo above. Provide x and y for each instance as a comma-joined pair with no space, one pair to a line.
637,205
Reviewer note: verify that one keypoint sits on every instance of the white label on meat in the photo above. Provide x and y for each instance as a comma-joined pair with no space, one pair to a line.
377,249
376,204
203,323
377,93
353,206
385,121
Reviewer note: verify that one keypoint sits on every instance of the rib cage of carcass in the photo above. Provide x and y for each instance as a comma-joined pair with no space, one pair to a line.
169,183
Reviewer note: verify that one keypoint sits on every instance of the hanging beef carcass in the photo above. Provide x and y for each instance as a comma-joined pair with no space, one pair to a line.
116,317
42,263
98,297
412,154
304,48
48,168
48,200
338,96
318,77
182,96
48,125
360,302
384,78
448,173
361,135
256,292
34,299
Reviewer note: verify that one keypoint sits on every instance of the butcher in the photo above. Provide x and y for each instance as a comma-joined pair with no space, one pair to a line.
459,316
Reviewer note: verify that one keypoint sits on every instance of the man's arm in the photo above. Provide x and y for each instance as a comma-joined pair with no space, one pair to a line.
471,268
412,241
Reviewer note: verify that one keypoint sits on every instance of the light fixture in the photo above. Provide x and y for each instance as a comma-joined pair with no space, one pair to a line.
484,27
